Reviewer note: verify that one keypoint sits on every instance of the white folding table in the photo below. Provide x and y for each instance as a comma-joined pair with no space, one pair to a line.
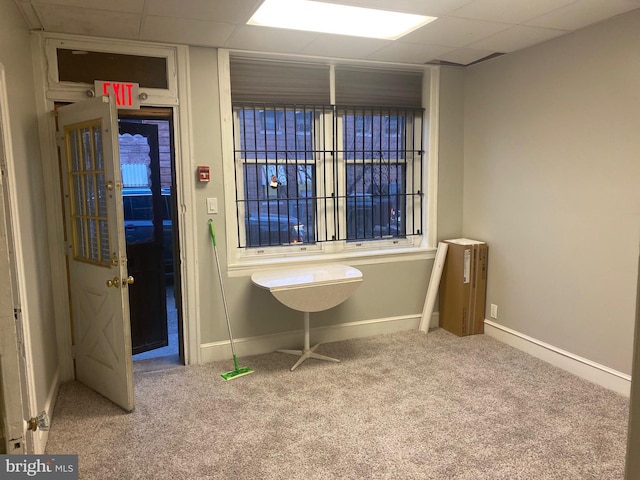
310,289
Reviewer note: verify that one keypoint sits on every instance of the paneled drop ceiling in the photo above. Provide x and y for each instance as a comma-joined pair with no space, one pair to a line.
466,31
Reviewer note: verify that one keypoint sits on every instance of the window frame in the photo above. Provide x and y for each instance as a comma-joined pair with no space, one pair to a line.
241,261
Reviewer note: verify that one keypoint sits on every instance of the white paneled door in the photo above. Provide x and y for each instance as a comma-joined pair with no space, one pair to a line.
96,250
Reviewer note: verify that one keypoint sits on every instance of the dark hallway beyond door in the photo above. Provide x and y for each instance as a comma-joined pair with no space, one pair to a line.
171,350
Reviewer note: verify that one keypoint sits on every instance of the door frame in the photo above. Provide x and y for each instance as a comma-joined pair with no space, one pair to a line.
49,91
15,345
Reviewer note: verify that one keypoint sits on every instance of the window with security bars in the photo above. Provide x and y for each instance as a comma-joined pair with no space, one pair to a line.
380,150
278,149
318,173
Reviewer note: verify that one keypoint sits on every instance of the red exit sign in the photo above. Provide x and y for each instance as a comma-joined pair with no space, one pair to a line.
126,94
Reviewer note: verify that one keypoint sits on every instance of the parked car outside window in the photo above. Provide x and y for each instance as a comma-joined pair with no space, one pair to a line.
138,220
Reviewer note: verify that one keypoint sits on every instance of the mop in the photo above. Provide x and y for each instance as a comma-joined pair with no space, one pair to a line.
238,371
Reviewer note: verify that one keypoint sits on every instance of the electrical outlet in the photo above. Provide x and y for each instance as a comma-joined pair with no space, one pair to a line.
494,311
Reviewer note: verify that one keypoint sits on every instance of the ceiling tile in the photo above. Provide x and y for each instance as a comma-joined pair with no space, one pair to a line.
400,52
465,56
340,46
517,11
517,37
129,6
187,31
464,29
84,21
432,7
224,11
454,32
265,39
582,13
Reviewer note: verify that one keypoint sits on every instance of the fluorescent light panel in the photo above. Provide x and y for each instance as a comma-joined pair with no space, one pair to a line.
338,19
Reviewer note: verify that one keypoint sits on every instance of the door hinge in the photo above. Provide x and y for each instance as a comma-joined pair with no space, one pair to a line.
17,315
59,139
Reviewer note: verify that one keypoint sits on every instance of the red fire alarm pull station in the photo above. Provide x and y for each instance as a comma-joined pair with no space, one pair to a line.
203,174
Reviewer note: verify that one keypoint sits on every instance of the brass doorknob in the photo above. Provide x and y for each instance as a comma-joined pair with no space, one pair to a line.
128,281
115,282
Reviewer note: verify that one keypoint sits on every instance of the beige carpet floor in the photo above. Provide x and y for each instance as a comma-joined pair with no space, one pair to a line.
401,406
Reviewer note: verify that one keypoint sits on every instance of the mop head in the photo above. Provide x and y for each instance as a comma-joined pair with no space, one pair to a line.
238,372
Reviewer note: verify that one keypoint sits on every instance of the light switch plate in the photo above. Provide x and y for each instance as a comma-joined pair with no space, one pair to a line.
212,205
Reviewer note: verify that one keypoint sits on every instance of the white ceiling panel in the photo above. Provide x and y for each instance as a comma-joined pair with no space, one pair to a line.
516,38
454,32
185,30
431,7
225,11
83,21
337,46
409,53
130,6
514,11
582,13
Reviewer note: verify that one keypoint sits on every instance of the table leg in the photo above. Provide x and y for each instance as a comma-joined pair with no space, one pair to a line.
307,352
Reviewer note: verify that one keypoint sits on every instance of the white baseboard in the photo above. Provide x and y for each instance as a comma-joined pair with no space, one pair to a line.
215,351
594,372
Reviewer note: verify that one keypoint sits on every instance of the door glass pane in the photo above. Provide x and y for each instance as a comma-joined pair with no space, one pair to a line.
76,193
74,152
86,149
88,192
102,195
97,140
104,241
94,253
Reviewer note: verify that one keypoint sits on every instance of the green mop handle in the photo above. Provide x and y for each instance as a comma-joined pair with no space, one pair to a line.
212,230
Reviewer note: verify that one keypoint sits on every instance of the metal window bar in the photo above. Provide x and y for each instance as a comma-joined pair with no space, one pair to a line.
384,172
276,148
287,181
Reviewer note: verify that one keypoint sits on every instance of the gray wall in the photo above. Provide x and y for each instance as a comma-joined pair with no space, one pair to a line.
551,182
451,153
15,55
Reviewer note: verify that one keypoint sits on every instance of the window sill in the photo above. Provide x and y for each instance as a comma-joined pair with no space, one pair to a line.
353,256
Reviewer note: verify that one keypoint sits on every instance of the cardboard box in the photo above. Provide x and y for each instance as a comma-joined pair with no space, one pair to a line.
463,287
